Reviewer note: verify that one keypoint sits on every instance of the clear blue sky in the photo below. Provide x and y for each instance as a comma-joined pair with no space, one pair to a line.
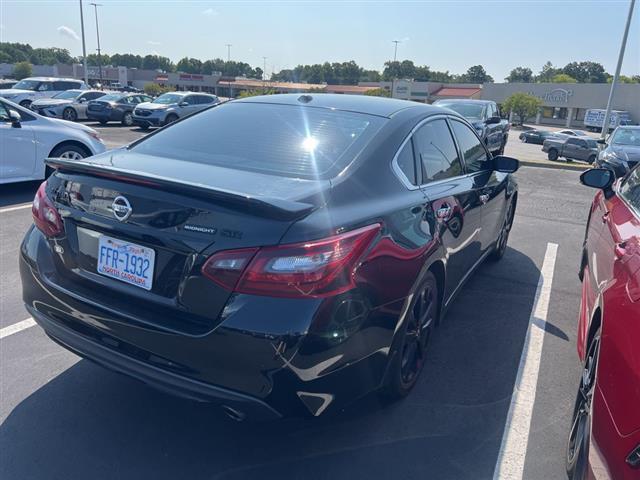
449,35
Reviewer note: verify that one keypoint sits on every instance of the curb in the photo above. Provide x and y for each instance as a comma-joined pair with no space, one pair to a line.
556,166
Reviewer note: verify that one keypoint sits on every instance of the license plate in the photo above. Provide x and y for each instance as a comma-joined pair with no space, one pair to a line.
125,261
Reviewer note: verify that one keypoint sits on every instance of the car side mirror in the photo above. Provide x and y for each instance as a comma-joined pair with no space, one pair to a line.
505,164
183,104
15,119
601,141
82,100
601,178
492,120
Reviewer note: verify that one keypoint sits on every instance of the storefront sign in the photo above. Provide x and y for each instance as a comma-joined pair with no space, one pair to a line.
191,77
557,95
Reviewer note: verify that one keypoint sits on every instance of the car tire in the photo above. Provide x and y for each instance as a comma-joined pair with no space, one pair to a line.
70,151
70,114
577,455
25,104
553,155
591,159
409,358
144,127
501,243
127,119
172,117
102,122
524,140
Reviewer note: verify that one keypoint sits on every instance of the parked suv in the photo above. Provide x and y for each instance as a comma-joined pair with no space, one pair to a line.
171,106
622,151
30,89
116,107
571,148
485,118
70,105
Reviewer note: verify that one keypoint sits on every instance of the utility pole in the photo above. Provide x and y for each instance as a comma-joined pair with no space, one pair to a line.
395,49
95,6
264,74
607,114
84,48
228,52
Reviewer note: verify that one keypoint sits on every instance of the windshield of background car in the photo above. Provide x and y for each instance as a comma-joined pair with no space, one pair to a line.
467,110
112,97
27,85
168,98
630,190
68,95
282,140
626,136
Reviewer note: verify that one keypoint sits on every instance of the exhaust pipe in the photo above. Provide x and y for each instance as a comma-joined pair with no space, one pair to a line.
233,414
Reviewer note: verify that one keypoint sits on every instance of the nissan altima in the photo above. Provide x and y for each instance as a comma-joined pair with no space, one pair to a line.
279,255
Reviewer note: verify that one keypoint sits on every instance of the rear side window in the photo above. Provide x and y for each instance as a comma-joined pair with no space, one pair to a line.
406,163
435,148
204,99
286,140
92,95
474,153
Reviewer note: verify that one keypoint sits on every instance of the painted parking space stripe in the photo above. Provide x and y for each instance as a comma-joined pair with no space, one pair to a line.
16,327
17,207
515,438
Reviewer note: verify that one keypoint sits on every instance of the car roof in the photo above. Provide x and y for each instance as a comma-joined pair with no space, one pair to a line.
463,100
379,106
53,79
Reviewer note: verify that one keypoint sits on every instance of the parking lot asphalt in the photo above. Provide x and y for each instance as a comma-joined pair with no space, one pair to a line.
65,418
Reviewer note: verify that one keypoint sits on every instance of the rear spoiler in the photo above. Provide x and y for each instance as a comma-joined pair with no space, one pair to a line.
271,207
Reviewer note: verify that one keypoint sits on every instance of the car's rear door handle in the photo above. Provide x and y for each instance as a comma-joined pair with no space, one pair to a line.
484,197
605,217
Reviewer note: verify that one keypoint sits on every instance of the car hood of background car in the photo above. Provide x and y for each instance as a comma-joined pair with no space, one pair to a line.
156,106
630,153
52,102
245,183
14,91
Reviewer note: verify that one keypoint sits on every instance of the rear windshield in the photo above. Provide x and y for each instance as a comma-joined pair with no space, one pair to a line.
168,98
285,140
467,110
112,97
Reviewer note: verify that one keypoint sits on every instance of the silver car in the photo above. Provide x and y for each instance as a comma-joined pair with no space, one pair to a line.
70,105
171,106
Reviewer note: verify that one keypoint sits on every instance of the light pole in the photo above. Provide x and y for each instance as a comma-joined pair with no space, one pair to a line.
84,48
228,52
95,6
607,114
395,49
264,74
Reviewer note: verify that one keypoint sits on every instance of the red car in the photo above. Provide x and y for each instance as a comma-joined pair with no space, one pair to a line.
604,440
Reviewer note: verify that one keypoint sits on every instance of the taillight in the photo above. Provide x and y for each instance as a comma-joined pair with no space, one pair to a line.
319,268
45,214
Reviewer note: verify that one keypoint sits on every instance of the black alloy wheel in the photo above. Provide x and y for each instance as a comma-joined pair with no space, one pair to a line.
578,442
503,238
127,119
553,154
411,355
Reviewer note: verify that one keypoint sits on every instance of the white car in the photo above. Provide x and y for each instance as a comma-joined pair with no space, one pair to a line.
70,105
27,138
26,91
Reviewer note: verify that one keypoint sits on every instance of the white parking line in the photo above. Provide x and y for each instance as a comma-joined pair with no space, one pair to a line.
510,464
16,327
17,207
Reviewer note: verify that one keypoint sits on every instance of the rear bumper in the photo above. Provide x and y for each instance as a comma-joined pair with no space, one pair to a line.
260,359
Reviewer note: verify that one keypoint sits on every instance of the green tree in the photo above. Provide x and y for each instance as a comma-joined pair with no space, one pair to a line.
92,59
126,60
156,62
563,78
523,105
154,89
476,74
378,92
520,74
22,70
547,73
255,93
444,77
189,65
586,72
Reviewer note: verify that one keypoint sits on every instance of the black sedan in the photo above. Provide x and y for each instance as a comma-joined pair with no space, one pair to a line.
279,255
535,136
116,107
